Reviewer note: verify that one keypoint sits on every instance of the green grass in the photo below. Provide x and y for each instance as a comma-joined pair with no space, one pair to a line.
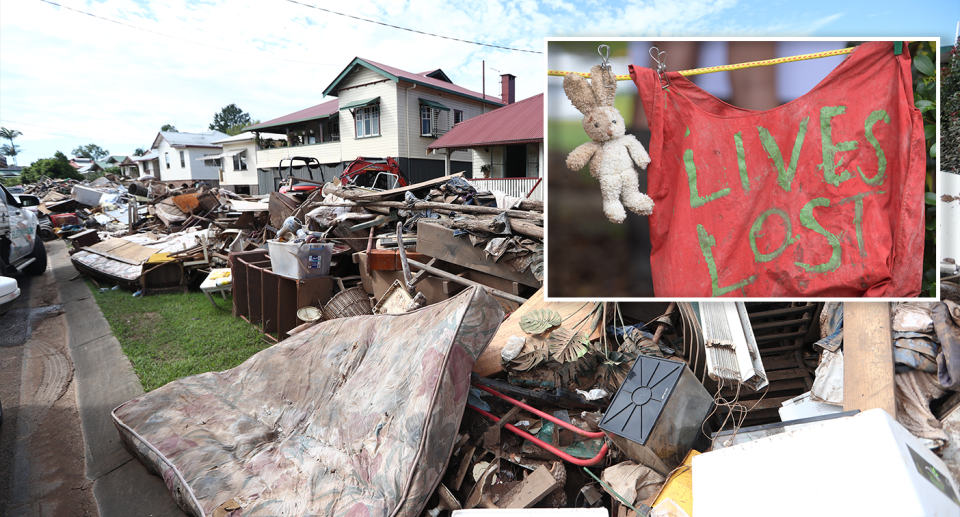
169,336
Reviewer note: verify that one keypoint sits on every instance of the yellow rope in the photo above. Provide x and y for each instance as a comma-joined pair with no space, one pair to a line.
724,68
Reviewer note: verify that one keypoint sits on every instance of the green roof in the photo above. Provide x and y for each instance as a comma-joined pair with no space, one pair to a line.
434,105
360,104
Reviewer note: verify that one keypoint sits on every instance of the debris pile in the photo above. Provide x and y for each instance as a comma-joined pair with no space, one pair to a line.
628,408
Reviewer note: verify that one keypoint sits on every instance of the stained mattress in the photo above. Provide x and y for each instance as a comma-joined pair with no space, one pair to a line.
355,416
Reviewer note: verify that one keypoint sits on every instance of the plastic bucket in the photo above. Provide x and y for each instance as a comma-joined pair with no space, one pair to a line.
300,260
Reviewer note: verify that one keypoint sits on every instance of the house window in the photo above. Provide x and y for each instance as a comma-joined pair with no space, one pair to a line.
426,121
333,131
166,156
368,121
239,162
183,163
312,139
457,116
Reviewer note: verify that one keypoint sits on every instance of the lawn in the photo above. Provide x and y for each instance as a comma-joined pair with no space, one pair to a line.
169,336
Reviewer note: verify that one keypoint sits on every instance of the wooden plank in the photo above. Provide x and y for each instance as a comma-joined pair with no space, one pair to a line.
868,357
531,490
122,250
393,192
572,314
439,242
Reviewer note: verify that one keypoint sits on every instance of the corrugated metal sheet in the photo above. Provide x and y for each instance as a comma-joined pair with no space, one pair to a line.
520,122
177,139
319,111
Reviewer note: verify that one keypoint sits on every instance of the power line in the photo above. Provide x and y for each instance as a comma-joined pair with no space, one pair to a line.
410,30
97,16
75,135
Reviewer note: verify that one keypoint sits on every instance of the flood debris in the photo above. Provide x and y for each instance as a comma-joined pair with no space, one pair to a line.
591,405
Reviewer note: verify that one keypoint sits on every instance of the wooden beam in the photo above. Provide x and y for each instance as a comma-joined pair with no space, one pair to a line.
868,357
469,283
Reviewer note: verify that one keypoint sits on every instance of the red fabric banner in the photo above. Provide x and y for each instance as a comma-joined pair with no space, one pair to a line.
822,196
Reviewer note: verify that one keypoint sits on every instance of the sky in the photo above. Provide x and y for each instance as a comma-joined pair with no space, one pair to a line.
116,71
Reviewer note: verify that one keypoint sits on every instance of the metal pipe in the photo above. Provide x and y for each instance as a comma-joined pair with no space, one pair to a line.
539,413
562,455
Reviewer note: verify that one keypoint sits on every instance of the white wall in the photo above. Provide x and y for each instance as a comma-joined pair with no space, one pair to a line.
240,177
387,144
192,170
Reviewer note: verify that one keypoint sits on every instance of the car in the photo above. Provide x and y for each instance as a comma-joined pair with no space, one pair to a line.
21,250
30,202
9,291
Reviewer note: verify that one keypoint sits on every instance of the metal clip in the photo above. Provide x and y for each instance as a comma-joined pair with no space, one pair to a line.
606,70
660,58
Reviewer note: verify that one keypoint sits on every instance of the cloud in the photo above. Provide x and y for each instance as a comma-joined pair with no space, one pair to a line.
183,60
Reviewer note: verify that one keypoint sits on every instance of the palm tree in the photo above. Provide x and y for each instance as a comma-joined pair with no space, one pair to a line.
11,150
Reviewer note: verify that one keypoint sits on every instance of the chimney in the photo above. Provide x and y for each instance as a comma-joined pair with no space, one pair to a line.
508,88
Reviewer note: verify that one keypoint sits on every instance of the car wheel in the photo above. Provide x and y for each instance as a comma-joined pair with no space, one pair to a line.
37,267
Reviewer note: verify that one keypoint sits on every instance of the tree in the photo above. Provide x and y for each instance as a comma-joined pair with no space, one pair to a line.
236,129
169,127
140,152
92,151
229,116
949,145
56,167
11,150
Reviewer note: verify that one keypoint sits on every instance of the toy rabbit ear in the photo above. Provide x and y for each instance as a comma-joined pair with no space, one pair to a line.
605,88
579,93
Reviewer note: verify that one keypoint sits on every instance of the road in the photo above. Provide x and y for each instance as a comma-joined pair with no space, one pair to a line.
41,444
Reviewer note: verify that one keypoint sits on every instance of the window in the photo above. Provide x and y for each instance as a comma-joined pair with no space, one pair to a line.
166,156
333,131
426,121
368,121
239,162
183,162
312,139
457,116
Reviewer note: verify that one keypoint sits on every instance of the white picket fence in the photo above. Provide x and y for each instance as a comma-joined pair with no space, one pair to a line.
517,187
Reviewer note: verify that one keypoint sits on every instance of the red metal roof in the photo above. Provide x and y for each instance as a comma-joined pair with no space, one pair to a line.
319,111
396,73
517,123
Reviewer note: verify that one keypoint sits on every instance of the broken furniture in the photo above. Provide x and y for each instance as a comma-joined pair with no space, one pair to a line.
350,416
212,284
264,298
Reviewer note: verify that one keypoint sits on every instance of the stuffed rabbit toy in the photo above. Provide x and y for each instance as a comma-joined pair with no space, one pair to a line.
611,150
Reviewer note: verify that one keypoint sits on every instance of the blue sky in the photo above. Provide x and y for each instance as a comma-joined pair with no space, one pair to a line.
68,79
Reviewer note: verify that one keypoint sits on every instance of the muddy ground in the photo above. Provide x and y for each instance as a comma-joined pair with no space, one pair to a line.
42,470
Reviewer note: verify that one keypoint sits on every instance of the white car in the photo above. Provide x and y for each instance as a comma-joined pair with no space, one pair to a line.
20,248
9,291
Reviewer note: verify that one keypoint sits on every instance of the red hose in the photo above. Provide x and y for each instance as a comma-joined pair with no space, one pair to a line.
564,456
541,414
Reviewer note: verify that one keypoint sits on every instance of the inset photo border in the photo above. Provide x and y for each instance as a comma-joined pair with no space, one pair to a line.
785,169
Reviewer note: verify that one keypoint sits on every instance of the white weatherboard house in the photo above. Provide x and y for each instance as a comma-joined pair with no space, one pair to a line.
174,157
379,112
238,162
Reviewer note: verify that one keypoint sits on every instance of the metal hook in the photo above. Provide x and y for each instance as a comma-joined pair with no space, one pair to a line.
660,58
608,79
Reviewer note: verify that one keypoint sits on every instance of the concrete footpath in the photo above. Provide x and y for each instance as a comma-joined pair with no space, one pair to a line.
104,379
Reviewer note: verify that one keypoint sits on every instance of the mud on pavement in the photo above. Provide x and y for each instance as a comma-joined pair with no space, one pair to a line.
41,445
